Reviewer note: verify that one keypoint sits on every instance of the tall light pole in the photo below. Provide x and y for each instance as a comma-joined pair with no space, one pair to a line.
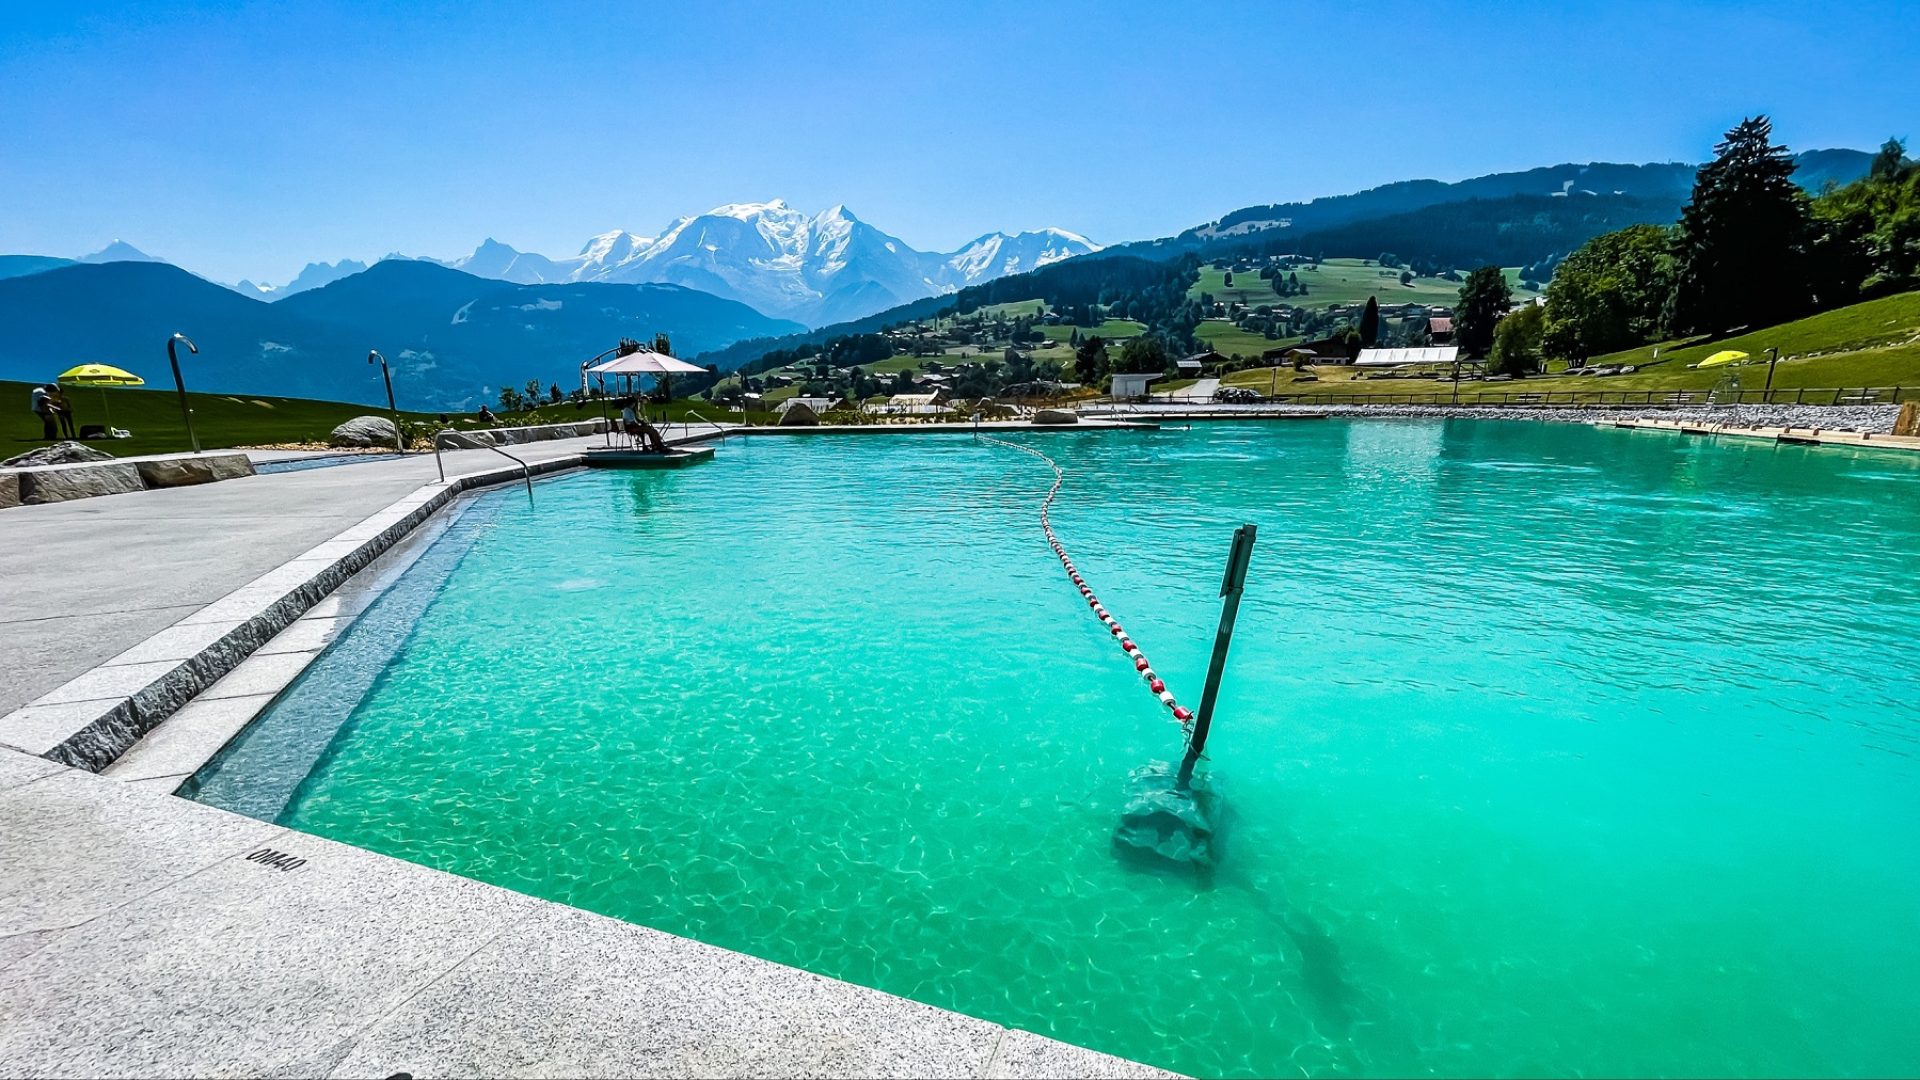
180,386
399,440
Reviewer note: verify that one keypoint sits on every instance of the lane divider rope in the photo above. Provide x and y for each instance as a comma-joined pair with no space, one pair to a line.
1155,685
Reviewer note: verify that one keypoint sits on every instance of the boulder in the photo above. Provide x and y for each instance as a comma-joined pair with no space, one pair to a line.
9,489
60,453
185,471
1908,422
364,431
79,482
466,440
799,416
1167,824
1056,416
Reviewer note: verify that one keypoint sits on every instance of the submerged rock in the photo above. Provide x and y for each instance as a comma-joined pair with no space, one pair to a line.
1168,825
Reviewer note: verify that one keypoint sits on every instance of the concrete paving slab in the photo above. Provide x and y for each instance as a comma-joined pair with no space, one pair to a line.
259,674
76,847
175,643
255,966
103,683
17,768
188,738
568,993
307,634
37,729
197,544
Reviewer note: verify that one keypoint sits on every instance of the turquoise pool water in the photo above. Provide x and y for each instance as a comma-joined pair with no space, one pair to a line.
1551,749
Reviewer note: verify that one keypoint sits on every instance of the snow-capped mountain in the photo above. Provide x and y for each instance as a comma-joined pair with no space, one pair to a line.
788,264
814,268
997,254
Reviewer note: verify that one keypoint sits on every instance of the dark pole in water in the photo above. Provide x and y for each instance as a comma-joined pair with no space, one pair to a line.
1230,588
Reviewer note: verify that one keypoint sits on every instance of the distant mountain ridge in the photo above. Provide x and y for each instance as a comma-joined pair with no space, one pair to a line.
1655,185
812,268
454,339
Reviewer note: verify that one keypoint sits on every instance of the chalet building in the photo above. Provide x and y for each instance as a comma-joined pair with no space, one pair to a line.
1440,329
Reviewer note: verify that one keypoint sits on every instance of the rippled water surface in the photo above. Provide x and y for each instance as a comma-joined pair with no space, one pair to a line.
1550,749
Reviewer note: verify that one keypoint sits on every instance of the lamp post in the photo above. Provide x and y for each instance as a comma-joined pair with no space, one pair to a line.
1773,357
399,440
180,386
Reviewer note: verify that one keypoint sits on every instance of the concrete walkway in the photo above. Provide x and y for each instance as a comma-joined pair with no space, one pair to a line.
145,935
83,581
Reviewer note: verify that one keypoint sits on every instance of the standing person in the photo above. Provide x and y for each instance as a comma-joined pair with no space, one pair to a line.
62,409
43,408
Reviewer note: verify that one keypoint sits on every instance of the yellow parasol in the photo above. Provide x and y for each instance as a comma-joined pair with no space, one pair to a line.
102,376
1721,359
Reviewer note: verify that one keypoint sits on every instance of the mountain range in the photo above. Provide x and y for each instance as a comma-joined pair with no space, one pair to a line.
813,268
453,339
1659,188
749,276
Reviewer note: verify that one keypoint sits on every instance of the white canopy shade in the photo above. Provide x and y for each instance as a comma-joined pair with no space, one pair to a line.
644,362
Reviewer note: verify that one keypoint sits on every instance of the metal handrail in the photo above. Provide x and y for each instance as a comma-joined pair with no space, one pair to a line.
687,428
525,472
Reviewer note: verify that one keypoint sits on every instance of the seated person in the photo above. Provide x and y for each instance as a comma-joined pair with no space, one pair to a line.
645,434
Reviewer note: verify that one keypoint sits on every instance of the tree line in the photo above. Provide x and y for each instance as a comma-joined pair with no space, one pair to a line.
1751,248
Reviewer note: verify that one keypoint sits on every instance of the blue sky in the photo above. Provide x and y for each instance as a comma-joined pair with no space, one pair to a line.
243,140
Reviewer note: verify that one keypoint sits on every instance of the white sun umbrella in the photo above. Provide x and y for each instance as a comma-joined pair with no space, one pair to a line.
645,362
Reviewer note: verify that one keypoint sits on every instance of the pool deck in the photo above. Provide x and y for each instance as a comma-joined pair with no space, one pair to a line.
1801,435
146,935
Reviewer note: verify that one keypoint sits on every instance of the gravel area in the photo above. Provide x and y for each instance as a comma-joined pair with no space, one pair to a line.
1877,419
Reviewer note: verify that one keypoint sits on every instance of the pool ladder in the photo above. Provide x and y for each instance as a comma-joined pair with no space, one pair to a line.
525,472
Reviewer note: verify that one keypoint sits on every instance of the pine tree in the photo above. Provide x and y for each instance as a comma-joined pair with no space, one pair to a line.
1370,323
1483,300
1739,254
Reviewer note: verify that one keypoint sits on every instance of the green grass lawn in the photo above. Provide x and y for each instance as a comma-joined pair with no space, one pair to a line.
153,416
225,420
1228,339
1007,310
1875,344
1110,330
1339,281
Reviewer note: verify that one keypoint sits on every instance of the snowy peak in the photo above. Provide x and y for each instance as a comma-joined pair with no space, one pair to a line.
815,268
999,254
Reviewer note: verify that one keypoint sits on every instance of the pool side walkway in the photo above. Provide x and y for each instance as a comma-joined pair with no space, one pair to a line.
83,581
145,935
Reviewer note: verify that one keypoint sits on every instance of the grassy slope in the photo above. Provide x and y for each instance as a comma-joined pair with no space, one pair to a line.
1339,281
221,420
154,418
1872,344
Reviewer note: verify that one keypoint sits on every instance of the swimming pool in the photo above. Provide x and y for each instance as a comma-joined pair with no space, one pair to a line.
1551,749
